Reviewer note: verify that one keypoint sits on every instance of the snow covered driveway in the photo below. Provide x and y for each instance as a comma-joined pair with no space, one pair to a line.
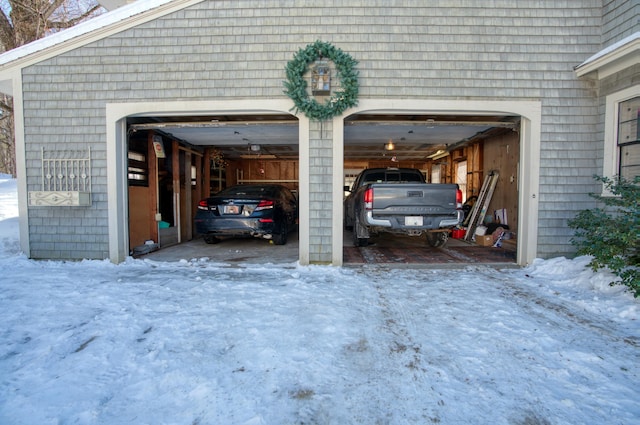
201,343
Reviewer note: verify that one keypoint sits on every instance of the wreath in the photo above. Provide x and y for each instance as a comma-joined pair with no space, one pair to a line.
296,86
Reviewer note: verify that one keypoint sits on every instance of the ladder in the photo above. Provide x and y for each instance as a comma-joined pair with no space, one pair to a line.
482,204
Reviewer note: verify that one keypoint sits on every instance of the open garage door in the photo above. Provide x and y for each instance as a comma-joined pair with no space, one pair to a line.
461,149
175,162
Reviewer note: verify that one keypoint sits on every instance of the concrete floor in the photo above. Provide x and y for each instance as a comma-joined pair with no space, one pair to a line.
385,249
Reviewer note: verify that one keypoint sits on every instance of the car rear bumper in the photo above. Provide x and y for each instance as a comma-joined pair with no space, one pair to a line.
235,227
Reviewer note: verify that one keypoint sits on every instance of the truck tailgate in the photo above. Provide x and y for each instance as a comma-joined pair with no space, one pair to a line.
414,199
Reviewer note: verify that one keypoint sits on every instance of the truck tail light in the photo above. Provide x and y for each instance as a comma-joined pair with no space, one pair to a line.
368,199
459,199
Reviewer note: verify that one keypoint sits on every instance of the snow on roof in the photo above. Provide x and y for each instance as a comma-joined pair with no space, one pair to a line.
610,49
83,28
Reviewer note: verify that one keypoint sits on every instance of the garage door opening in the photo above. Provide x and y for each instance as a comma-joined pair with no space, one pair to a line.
176,162
461,149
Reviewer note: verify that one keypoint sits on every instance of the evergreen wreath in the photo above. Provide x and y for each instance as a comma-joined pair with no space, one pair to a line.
296,85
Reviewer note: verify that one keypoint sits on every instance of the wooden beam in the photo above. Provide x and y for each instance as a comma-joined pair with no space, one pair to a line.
152,164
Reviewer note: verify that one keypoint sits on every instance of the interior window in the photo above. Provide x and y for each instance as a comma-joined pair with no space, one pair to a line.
435,173
461,178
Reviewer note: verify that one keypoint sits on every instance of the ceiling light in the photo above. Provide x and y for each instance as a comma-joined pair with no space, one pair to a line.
268,156
438,154
389,146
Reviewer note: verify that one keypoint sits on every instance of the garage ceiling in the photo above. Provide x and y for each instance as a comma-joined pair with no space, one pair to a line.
415,136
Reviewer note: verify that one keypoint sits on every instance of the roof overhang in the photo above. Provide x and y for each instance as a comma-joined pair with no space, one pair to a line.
615,58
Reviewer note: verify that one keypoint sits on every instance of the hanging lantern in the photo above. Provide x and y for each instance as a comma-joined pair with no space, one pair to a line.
321,78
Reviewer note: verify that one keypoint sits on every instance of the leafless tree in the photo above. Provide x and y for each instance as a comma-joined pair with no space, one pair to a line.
21,22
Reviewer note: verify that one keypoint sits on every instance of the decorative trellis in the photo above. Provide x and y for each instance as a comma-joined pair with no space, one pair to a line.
66,179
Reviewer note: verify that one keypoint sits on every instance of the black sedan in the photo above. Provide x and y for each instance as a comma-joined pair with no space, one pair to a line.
267,211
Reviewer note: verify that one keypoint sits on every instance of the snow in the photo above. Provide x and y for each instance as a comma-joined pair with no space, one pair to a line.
197,342
633,37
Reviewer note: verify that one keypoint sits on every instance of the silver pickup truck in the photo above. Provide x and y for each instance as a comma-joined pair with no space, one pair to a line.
397,200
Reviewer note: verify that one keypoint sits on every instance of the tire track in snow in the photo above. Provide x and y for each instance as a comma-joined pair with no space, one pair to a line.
410,377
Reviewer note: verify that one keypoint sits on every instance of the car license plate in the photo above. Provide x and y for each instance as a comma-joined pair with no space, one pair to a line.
413,221
231,209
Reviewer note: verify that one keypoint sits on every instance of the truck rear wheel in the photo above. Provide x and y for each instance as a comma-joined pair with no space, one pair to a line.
348,225
437,239
360,241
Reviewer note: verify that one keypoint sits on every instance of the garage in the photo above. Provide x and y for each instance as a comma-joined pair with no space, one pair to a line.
175,161
472,151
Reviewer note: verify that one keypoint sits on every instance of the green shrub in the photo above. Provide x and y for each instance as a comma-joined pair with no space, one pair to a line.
611,234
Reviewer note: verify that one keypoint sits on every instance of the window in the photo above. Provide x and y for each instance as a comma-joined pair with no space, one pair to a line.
435,173
622,134
629,138
350,176
138,170
461,178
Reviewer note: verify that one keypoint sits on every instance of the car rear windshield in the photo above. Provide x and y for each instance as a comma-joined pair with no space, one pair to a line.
250,191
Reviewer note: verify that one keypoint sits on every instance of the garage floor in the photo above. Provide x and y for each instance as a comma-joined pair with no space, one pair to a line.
410,250
386,249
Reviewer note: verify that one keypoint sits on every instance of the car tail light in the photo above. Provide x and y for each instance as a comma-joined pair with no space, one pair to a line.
264,205
265,220
202,205
459,199
368,199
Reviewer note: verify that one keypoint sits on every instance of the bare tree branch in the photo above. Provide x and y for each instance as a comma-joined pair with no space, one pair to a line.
7,35
6,107
49,11
72,22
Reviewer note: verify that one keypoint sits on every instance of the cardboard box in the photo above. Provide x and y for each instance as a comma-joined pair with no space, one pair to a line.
484,240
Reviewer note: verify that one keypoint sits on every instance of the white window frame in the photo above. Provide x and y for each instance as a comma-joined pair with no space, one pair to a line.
611,158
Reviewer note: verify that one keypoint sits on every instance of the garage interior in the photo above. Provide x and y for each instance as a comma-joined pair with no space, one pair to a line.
175,161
